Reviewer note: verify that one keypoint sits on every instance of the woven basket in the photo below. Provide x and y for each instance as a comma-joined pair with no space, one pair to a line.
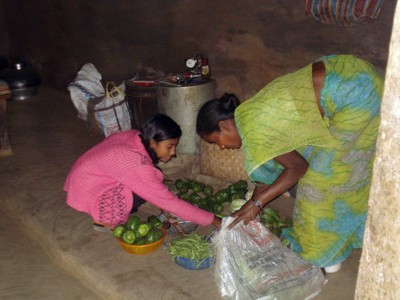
226,164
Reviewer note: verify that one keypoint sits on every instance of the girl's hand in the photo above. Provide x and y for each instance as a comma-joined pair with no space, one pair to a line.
248,212
217,222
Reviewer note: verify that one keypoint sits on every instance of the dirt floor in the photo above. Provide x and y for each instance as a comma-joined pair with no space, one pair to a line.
50,251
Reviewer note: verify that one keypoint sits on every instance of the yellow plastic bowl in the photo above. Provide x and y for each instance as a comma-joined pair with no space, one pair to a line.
143,249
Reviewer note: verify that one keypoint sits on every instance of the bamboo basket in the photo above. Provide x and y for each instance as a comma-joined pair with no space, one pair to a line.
225,164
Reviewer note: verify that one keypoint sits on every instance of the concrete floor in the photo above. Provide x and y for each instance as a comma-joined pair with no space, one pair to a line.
49,251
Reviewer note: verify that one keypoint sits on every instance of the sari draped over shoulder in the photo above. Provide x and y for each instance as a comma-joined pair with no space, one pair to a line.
332,197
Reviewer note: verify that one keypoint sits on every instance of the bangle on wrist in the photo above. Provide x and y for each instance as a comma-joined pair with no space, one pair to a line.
256,203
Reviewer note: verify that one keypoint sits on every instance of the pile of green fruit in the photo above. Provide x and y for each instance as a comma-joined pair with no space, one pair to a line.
275,223
138,232
204,196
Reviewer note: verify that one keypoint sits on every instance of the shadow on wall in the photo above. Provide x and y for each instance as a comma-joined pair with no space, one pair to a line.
246,50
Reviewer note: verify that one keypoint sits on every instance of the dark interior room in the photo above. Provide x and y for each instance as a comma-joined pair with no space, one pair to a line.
49,250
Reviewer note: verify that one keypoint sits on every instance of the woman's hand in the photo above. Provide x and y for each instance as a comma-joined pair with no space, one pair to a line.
248,212
295,167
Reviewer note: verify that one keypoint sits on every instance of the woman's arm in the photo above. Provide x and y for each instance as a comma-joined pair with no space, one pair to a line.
295,168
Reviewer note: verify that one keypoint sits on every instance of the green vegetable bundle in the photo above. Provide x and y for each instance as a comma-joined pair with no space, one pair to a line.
193,246
138,232
275,223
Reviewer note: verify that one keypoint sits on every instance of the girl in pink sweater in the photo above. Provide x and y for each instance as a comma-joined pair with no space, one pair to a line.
103,180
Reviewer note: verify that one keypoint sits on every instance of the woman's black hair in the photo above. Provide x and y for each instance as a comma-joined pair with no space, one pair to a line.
216,110
158,127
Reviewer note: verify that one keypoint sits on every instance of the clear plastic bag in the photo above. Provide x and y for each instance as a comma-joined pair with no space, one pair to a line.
252,263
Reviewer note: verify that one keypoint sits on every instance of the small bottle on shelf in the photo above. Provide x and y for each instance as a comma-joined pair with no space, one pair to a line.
205,69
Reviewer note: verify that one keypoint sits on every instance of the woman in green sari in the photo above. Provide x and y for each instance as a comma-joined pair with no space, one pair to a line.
316,127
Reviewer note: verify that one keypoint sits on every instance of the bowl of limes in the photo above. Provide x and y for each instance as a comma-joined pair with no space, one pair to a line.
137,236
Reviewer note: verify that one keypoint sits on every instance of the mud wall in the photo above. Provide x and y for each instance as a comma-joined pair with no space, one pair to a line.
4,44
379,270
248,43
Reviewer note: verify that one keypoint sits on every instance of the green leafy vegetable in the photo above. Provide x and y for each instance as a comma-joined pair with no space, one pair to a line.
236,205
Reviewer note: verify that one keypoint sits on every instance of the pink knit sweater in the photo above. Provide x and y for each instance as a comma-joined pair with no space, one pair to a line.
102,180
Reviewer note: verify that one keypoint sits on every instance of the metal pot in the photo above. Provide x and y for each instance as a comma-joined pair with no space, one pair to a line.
22,80
182,103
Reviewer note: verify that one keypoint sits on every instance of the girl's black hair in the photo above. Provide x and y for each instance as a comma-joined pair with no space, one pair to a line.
216,110
158,127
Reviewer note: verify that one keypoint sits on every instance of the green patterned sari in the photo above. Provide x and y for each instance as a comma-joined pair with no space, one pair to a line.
332,197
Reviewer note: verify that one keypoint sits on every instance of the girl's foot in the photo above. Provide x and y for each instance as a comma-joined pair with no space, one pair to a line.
101,227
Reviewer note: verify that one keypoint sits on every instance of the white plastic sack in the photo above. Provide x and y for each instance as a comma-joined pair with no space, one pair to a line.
252,263
86,86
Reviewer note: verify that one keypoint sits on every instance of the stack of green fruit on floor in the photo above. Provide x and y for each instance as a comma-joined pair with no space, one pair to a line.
275,223
235,194
138,232
204,196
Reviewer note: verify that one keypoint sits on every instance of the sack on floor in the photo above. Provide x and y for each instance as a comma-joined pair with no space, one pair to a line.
252,263
110,113
86,86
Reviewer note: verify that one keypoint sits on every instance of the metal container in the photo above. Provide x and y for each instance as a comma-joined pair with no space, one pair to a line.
142,101
22,80
182,103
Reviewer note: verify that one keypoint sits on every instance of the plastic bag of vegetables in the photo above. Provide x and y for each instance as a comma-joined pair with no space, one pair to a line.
252,263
